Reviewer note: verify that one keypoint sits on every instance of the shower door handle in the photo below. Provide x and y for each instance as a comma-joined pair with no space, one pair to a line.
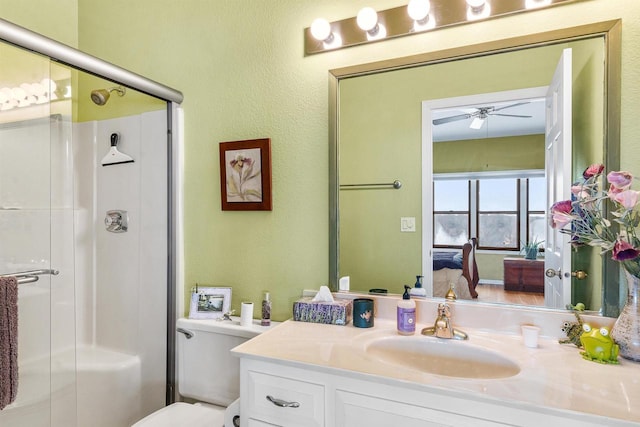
116,221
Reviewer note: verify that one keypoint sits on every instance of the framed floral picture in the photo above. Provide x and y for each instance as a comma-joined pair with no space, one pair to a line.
209,302
245,175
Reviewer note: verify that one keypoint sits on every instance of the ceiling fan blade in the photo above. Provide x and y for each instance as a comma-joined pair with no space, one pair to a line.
510,115
512,105
451,119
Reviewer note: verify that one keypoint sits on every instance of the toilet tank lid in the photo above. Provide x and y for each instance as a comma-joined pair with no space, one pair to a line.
226,327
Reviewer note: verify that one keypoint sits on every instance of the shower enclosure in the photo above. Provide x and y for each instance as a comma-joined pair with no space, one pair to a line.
92,246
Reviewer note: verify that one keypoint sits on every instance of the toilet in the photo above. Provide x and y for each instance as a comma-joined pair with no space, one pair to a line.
207,373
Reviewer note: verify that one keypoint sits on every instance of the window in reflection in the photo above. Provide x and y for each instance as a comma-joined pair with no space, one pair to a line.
451,212
536,198
498,211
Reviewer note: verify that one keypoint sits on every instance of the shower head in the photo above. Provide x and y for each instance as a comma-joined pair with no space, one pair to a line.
101,96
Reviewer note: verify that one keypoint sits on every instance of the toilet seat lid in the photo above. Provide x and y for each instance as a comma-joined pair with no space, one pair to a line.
183,414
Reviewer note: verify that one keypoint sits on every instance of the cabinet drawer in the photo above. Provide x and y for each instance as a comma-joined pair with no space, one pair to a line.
355,409
308,396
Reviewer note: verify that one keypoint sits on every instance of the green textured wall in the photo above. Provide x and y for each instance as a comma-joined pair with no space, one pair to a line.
56,19
241,66
480,155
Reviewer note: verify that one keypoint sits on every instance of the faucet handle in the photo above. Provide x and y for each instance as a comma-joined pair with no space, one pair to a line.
444,310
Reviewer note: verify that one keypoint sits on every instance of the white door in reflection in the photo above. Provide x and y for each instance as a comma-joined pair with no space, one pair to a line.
557,260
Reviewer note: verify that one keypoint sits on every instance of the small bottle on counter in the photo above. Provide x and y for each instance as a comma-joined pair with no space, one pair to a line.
266,310
406,314
418,290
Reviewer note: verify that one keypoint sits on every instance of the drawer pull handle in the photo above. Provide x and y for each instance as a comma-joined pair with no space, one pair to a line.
282,403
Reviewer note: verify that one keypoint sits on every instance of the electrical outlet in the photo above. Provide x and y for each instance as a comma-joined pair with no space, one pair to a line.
408,224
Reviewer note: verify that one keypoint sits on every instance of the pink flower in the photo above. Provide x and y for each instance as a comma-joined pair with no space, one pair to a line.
593,170
620,180
627,198
613,191
624,251
561,214
580,191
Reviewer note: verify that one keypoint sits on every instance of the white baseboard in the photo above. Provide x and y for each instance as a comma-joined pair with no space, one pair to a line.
491,282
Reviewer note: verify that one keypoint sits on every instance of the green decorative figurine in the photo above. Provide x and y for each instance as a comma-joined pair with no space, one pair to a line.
598,345
573,330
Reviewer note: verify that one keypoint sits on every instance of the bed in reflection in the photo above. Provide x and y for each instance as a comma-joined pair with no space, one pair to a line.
457,268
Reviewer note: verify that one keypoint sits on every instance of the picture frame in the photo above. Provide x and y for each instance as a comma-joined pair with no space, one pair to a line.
245,175
209,302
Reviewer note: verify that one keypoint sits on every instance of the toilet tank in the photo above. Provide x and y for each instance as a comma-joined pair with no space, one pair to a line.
207,371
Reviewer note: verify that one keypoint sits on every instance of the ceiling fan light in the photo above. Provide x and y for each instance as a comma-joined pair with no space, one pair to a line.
476,123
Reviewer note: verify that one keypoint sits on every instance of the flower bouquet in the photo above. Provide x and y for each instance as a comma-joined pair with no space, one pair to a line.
617,235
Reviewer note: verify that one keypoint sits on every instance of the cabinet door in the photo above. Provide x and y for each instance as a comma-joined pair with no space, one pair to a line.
354,409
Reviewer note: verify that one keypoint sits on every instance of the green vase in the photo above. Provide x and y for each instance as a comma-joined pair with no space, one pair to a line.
531,253
626,330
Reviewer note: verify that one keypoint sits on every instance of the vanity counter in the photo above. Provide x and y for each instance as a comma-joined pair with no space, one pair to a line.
553,377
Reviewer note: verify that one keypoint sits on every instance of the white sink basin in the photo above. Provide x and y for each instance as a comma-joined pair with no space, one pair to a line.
442,357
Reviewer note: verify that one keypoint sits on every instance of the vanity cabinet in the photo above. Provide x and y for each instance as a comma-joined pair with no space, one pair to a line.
312,396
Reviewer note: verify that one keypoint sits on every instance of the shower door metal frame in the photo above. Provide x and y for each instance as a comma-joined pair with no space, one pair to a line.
64,54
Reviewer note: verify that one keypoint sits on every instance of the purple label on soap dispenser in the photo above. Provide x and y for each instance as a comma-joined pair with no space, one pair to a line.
406,319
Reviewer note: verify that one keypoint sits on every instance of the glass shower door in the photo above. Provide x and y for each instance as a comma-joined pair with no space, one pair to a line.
36,234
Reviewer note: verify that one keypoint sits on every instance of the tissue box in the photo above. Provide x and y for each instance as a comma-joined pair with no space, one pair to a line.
337,312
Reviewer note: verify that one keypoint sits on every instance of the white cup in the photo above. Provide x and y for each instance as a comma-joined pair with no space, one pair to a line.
246,314
530,335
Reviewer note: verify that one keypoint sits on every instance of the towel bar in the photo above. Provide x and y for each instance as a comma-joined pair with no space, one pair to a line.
395,184
30,276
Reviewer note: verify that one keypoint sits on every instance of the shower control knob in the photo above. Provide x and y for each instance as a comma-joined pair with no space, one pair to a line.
116,221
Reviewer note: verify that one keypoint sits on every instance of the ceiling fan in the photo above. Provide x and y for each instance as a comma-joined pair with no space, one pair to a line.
480,115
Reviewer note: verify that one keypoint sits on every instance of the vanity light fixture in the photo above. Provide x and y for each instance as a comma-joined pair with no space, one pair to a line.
367,20
478,9
413,17
418,10
321,31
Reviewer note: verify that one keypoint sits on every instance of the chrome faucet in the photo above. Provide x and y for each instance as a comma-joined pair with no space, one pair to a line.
442,327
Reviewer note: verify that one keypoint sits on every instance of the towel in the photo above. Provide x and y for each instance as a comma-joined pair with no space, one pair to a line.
8,340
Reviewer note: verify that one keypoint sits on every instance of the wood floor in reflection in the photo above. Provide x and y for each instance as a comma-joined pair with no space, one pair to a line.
496,293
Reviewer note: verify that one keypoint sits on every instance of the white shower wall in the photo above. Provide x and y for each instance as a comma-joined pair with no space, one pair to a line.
122,277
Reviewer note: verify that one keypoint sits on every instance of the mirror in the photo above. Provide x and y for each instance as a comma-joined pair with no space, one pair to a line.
380,139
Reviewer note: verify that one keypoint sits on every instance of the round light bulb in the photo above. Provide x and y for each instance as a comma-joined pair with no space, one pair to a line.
367,18
476,4
533,4
320,29
418,9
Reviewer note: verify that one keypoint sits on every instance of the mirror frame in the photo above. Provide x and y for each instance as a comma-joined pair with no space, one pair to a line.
609,30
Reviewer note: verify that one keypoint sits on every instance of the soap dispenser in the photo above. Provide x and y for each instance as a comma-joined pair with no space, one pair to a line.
406,314
418,290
